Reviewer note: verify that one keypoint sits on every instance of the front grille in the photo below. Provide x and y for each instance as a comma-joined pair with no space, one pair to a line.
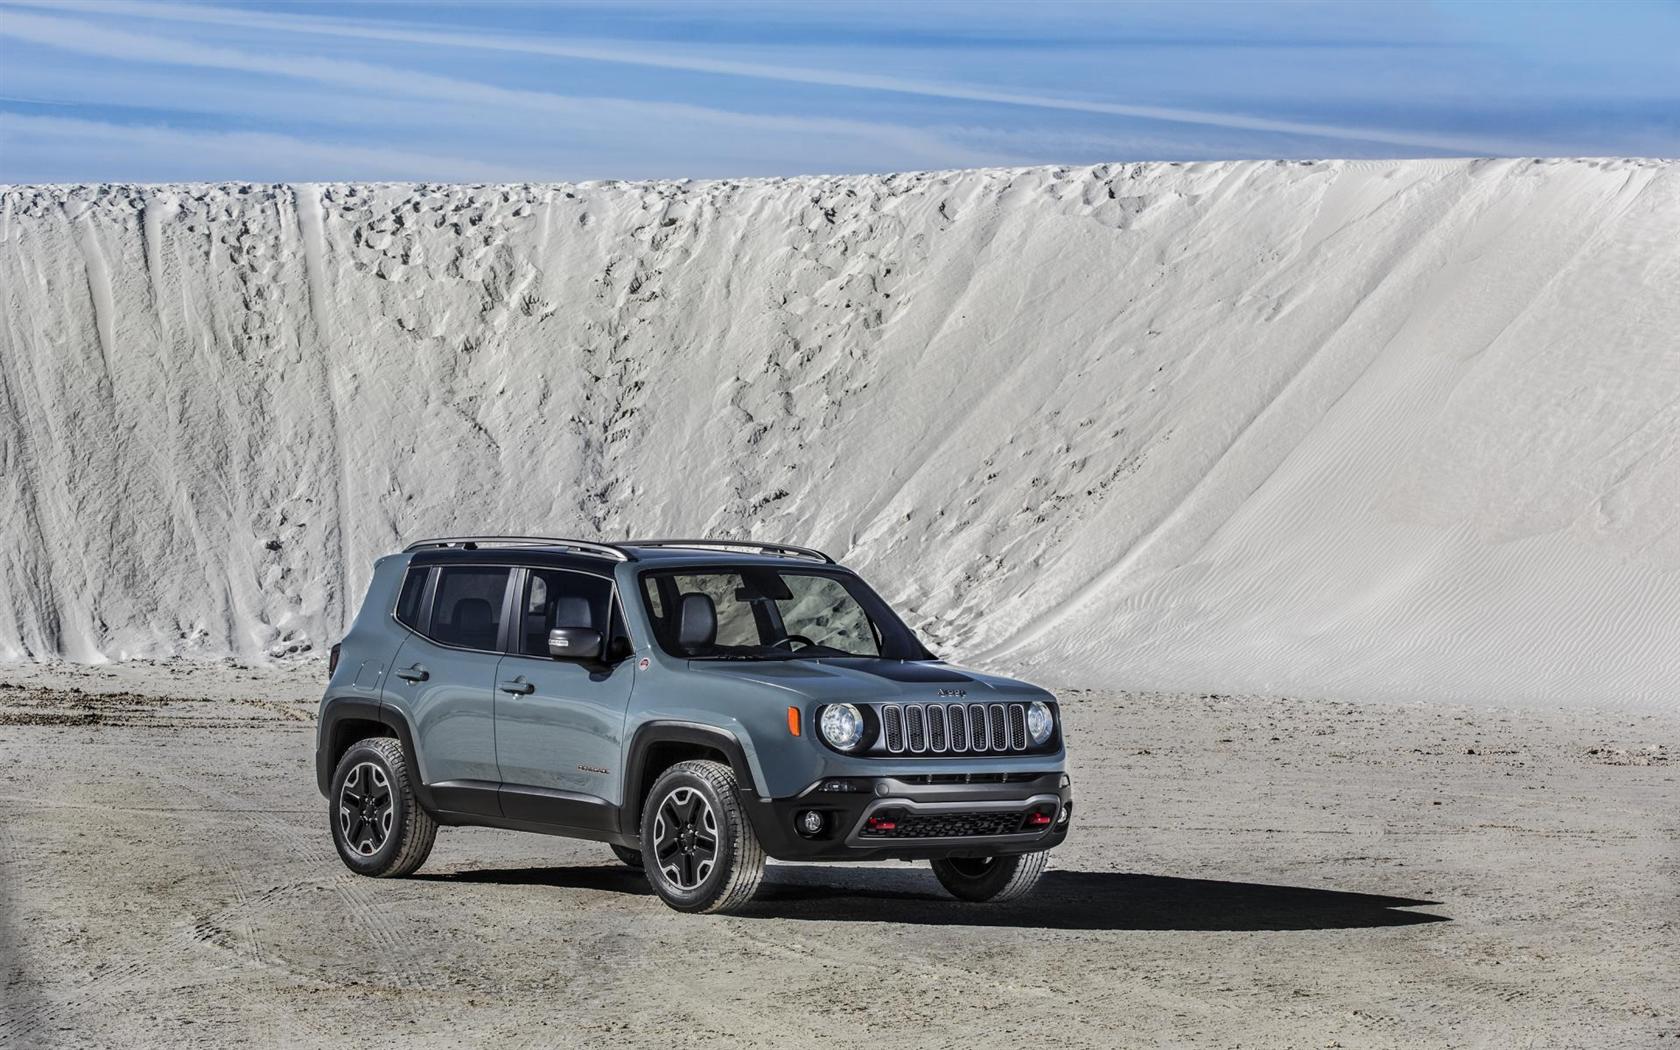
901,824
946,729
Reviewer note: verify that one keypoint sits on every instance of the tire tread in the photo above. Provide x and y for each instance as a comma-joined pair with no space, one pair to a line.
1014,878
419,830
747,870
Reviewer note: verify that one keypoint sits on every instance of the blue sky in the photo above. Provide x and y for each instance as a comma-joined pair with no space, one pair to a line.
152,91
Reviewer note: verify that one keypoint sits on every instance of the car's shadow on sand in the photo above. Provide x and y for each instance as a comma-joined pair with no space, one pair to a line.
1063,900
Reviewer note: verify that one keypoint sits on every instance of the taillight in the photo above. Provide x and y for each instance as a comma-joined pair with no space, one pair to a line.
332,660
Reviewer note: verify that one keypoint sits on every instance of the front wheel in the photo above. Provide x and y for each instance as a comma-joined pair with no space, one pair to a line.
991,878
698,849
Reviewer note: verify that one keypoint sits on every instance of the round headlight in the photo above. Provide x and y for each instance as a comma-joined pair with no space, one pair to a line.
1040,722
842,726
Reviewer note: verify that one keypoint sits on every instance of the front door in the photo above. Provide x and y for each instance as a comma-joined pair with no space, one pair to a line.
560,723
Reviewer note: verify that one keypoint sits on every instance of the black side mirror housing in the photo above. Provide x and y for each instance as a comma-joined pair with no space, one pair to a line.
574,643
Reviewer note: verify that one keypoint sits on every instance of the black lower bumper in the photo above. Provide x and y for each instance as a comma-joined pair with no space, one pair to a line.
885,818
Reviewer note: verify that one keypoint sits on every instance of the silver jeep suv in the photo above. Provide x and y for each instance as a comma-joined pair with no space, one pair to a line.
697,705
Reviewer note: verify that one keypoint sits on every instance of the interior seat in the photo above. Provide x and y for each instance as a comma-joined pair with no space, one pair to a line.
474,621
573,611
696,623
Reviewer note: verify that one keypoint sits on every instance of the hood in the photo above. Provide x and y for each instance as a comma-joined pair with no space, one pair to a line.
867,679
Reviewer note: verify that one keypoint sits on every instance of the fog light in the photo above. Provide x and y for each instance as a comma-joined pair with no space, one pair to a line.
1067,811
811,823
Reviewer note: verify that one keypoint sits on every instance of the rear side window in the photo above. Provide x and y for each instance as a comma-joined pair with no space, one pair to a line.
408,603
468,609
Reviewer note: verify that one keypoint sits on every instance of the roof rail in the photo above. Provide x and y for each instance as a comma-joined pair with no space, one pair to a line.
786,549
600,550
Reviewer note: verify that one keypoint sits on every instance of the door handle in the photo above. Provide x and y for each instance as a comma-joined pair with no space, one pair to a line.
416,673
518,685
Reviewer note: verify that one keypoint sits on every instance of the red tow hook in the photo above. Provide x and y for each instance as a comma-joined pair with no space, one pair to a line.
1038,819
882,824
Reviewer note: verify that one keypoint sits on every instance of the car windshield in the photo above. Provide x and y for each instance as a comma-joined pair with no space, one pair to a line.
761,614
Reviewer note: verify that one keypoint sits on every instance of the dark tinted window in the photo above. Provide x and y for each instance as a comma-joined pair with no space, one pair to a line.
557,598
468,609
408,603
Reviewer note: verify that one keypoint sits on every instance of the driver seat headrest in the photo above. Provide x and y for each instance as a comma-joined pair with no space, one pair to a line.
696,622
573,611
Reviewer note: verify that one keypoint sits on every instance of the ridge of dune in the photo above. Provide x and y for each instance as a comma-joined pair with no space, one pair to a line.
1398,430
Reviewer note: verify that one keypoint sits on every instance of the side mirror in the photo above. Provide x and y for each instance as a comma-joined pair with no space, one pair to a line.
574,643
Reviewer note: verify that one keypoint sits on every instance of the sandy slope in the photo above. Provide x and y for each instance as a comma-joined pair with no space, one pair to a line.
1245,873
1376,430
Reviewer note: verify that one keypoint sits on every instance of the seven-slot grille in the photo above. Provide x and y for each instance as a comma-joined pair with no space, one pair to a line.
953,729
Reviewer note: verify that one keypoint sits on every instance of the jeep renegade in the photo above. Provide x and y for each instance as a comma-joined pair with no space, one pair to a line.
696,705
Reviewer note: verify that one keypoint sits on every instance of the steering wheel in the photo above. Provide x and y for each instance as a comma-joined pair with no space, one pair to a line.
793,638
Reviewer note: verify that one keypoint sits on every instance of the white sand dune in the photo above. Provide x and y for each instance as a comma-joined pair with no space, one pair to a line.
1372,430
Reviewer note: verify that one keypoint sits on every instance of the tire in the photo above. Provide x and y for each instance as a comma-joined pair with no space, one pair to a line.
996,879
380,841
692,804
631,857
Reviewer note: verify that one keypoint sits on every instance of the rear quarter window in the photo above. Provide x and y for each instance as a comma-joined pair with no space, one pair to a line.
408,610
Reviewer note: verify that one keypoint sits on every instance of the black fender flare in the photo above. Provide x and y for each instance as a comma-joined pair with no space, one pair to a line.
650,733
340,709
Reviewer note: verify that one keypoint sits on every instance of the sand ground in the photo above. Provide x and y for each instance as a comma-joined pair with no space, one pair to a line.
1246,872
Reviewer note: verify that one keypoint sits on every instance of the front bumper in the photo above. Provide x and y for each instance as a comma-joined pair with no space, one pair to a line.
917,820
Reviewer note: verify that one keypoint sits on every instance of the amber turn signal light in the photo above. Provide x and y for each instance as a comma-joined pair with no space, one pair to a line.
793,720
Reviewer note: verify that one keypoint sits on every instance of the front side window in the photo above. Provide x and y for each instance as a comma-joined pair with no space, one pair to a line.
764,613
468,609
560,598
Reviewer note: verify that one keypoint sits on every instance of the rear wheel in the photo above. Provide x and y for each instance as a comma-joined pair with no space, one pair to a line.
991,878
698,849
377,825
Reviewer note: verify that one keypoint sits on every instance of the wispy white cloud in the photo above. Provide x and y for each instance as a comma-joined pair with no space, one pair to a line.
58,149
592,112
640,55
703,89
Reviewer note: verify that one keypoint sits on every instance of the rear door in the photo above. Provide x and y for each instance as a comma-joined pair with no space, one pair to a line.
560,723
446,676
